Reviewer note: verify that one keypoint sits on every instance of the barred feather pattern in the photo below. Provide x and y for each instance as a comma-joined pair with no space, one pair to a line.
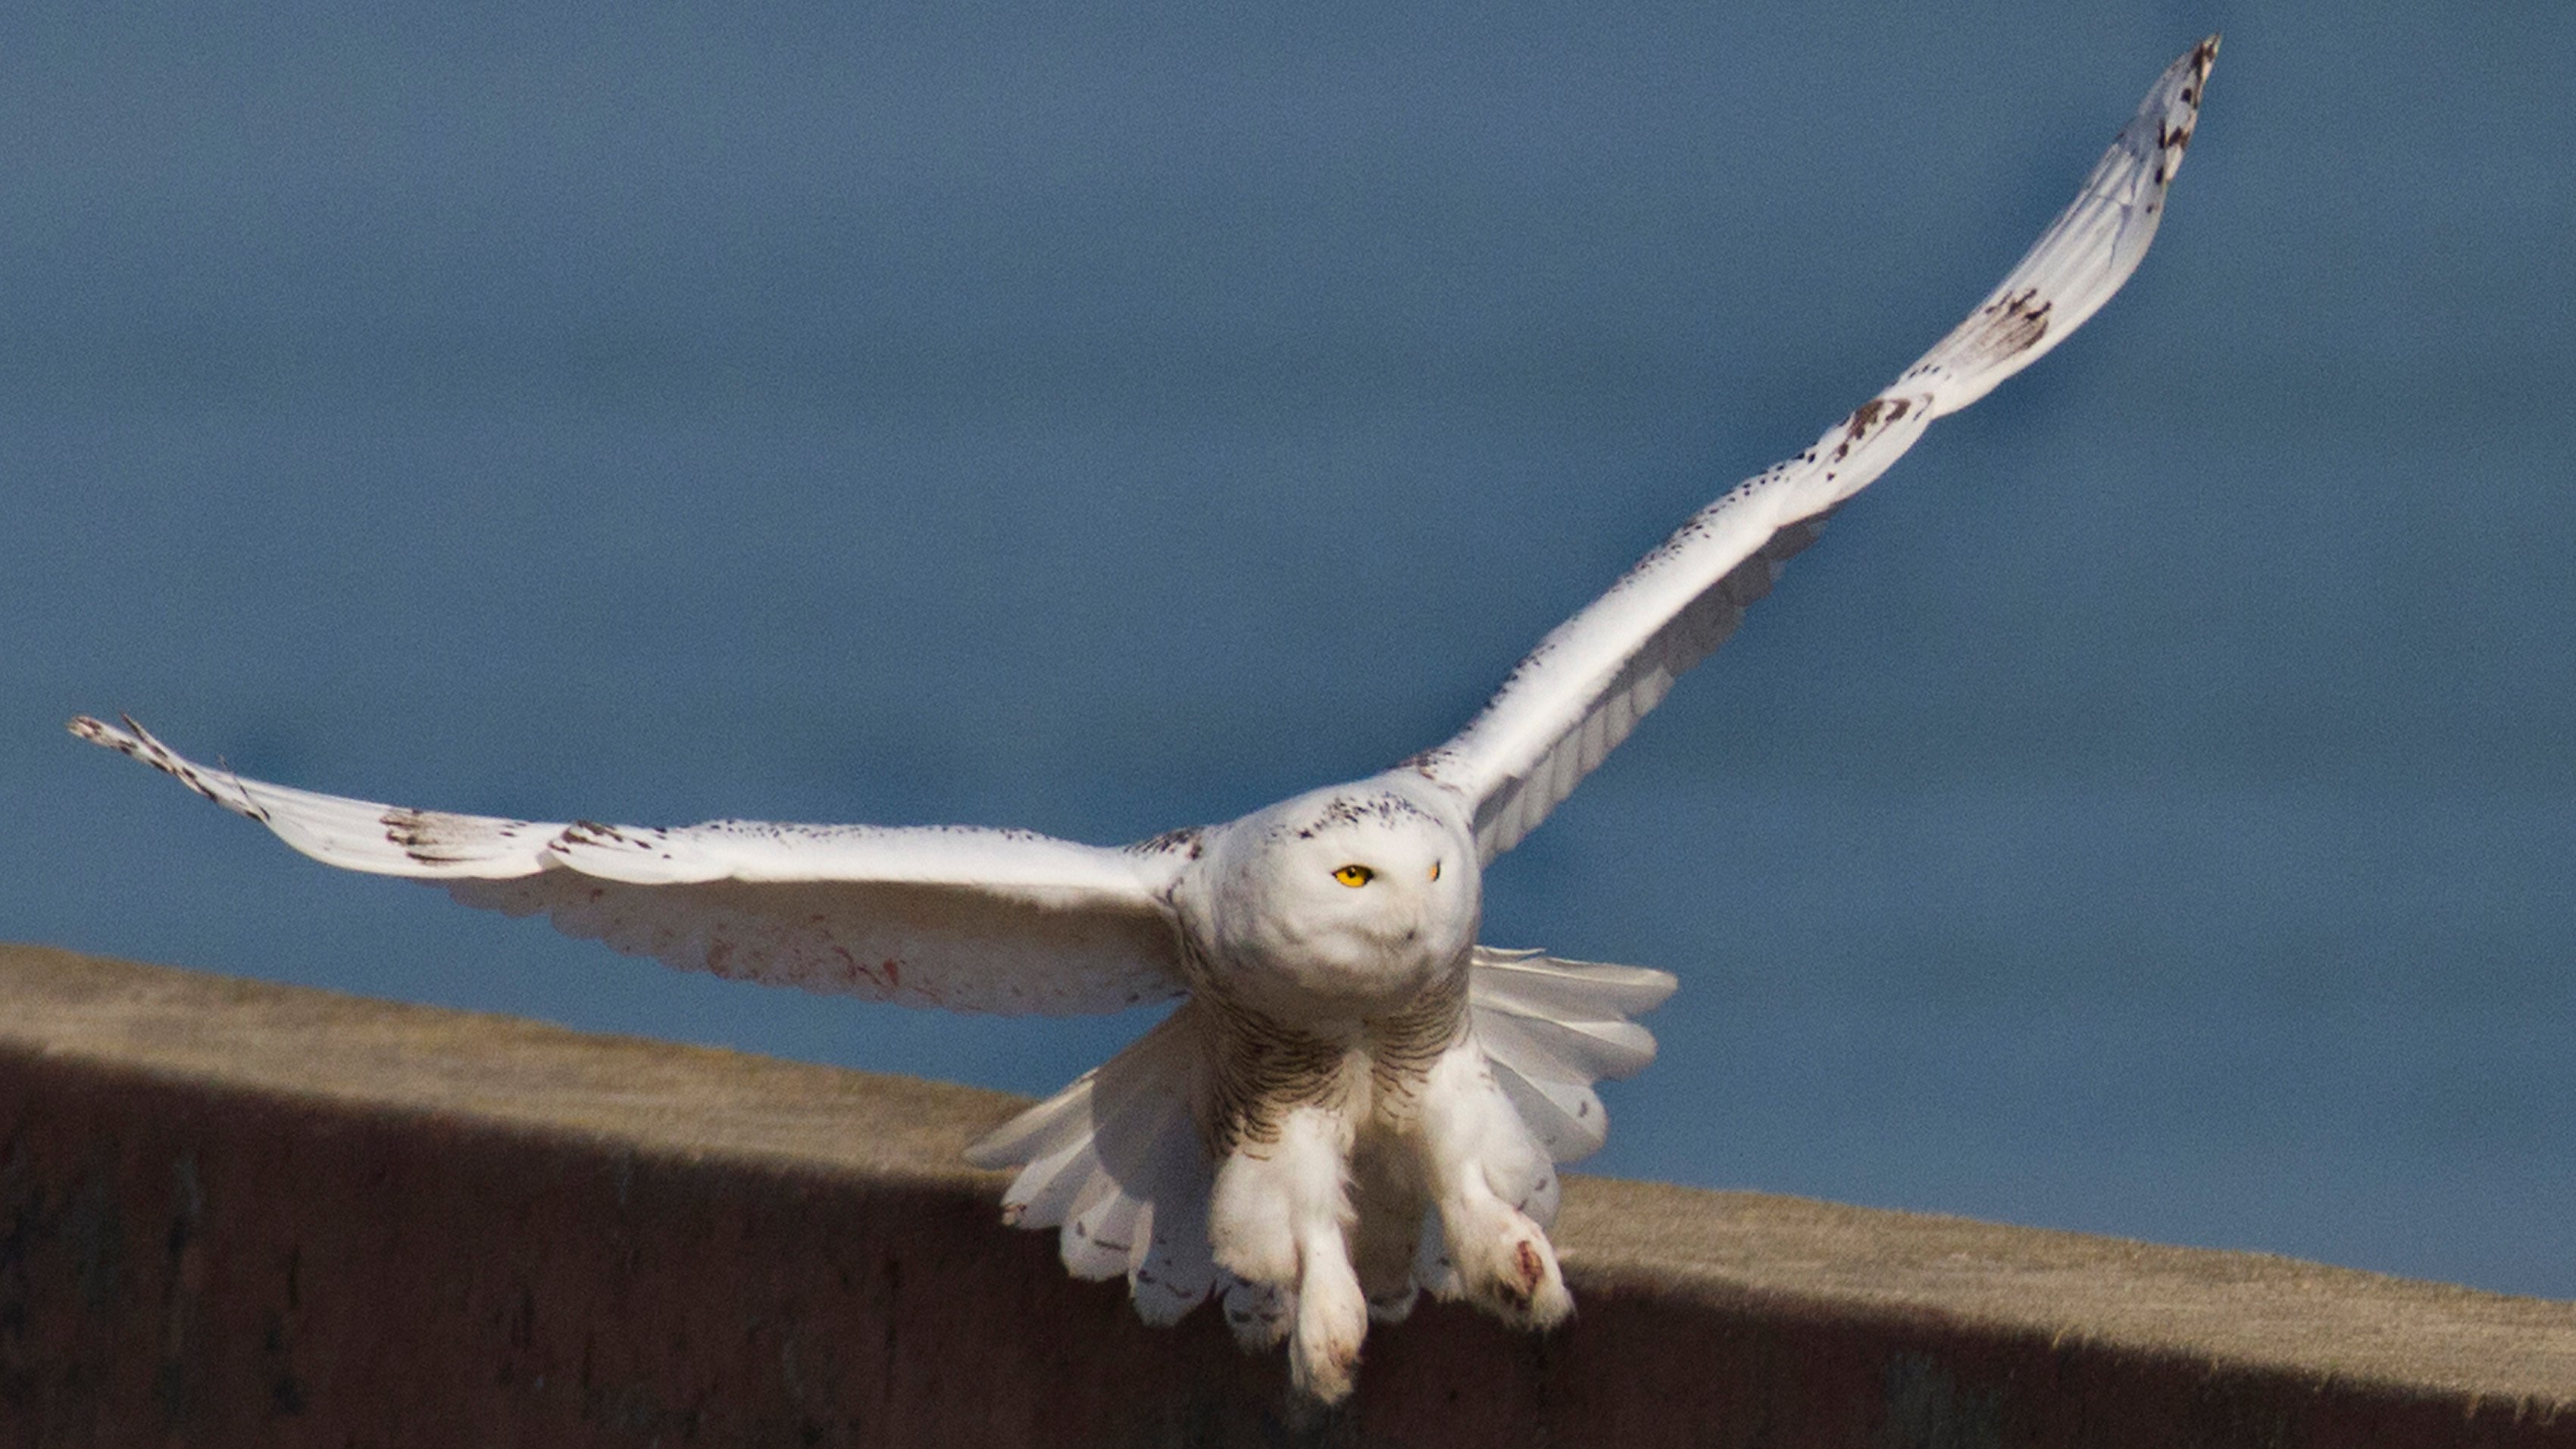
1120,1163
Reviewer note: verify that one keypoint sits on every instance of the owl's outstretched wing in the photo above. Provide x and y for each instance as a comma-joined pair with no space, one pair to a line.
1580,692
958,917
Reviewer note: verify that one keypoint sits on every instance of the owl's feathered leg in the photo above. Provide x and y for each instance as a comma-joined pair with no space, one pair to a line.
1482,1165
1280,1220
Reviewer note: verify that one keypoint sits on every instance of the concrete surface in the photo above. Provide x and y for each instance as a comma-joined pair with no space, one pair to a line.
238,1213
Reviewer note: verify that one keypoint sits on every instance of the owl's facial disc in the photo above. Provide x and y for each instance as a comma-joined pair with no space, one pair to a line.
1342,896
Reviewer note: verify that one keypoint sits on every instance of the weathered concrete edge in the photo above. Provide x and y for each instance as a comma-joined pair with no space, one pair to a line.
2327,1328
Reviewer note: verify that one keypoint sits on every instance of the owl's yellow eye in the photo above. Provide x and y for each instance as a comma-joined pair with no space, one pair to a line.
1435,870
1355,875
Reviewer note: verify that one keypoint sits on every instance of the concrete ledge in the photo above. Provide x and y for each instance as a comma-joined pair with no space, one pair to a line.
234,1213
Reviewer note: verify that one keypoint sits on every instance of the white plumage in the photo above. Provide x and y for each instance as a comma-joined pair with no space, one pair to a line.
1354,1100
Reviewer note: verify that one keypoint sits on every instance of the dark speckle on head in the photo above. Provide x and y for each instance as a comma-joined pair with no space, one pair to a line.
1359,809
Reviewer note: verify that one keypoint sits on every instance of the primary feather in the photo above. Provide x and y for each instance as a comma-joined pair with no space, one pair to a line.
949,916
1579,693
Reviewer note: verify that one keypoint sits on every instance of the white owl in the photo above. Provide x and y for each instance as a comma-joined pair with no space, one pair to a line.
1354,1100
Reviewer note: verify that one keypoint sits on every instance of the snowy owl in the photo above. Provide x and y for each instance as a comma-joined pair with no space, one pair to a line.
1354,1100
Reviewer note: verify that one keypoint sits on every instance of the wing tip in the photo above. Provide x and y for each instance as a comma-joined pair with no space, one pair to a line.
137,743
2172,109
2189,69
99,732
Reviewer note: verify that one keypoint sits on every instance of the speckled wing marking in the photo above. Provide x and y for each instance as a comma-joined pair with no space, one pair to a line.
956,917
1585,686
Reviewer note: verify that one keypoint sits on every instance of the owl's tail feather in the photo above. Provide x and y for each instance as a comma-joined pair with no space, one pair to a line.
1116,1161
1551,1029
